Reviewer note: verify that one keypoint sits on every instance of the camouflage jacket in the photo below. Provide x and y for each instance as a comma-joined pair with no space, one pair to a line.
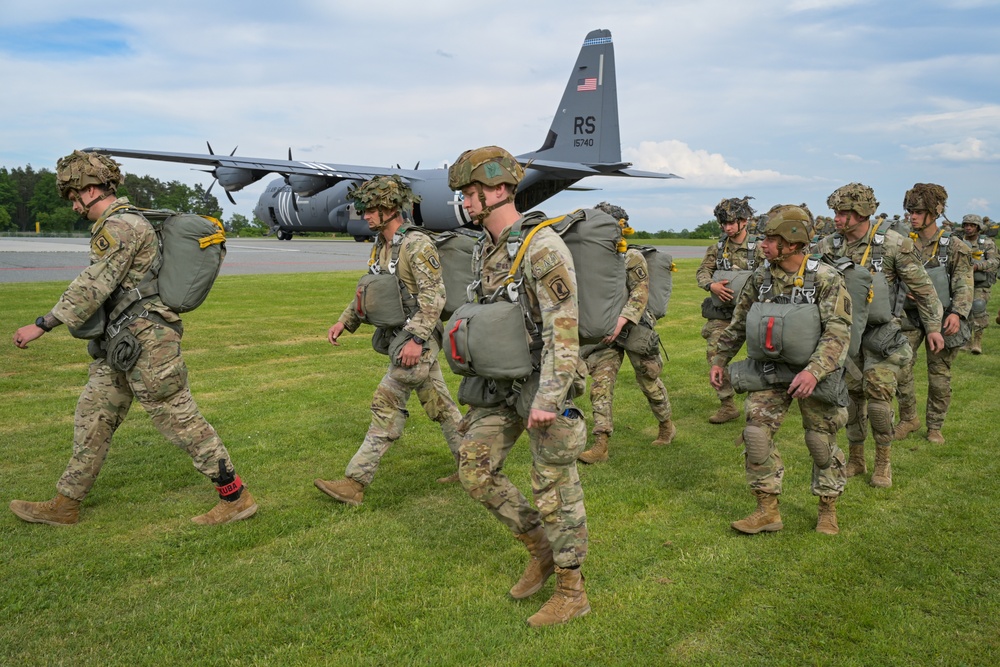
834,313
984,254
725,254
900,264
637,282
959,268
419,269
550,286
123,248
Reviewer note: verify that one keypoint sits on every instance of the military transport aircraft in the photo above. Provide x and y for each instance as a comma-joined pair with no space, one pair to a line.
582,141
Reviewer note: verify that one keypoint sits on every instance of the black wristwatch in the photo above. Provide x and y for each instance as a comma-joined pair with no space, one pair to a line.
40,323
418,340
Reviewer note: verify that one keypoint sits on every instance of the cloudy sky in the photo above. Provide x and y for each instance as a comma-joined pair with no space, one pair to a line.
781,100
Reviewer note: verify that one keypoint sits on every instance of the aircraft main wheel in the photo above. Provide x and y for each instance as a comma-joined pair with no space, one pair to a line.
360,239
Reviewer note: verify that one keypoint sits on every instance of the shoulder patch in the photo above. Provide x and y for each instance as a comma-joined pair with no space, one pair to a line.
103,242
541,266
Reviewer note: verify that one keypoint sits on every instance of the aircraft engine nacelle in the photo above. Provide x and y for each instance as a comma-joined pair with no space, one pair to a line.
306,186
235,178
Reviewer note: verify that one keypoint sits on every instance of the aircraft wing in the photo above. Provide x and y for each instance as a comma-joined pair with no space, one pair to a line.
332,173
580,170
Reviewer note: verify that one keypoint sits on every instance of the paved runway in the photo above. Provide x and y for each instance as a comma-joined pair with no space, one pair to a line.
25,260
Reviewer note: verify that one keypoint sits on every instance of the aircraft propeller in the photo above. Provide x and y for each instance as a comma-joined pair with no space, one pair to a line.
295,204
216,178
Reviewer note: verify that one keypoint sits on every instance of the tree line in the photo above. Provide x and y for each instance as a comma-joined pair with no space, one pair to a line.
29,196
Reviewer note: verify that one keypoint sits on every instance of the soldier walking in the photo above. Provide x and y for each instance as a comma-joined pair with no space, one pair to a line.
949,264
985,262
727,264
555,534
883,350
142,361
406,265
815,309
604,360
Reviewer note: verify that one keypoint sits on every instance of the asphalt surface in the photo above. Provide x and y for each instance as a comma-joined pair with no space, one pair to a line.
24,260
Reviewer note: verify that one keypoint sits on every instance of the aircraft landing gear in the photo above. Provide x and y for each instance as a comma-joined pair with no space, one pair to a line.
284,236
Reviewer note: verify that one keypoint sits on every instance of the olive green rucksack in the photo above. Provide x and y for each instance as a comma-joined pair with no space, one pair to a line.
660,265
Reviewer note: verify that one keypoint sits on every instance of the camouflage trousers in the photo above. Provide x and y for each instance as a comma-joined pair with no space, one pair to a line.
555,483
159,381
765,412
603,365
980,321
389,413
938,383
711,332
877,386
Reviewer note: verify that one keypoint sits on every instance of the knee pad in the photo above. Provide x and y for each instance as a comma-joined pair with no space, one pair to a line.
820,448
757,440
880,415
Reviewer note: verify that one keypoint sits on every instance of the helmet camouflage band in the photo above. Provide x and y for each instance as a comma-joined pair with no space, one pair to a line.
731,210
489,165
78,171
973,219
616,212
388,192
856,197
790,222
929,197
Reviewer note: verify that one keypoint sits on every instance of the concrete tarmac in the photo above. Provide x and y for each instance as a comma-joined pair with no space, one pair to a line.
24,259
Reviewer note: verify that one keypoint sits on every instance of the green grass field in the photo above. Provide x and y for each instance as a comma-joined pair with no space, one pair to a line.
418,574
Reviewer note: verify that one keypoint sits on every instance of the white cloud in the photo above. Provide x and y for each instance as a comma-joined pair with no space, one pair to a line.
967,150
698,166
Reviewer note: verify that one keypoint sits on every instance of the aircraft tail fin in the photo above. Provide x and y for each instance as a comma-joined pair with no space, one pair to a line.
585,127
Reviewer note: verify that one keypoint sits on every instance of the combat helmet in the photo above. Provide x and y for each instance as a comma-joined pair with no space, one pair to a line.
733,209
929,197
383,193
790,222
489,166
978,221
856,197
79,170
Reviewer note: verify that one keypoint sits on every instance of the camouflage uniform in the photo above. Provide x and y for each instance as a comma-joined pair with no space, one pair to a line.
724,255
876,386
550,284
419,269
603,362
986,259
766,409
959,265
123,248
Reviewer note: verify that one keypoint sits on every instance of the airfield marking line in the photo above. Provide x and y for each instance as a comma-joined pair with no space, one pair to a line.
256,249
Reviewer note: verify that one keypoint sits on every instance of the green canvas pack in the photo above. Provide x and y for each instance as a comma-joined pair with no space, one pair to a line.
660,265
489,340
378,300
456,250
737,279
785,332
192,248
595,240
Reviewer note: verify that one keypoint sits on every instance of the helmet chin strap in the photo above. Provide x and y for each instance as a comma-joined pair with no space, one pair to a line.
87,207
483,214
382,221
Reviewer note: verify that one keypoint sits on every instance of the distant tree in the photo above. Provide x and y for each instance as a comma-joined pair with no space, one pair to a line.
239,225
6,222
47,206
60,220
707,230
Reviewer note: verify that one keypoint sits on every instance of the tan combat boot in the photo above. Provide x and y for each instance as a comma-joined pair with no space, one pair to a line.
667,432
599,452
568,602
934,435
539,568
882,477
765,518
60,511
976,346
227,511
856,461
827,522
905,427
727,412
345,490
